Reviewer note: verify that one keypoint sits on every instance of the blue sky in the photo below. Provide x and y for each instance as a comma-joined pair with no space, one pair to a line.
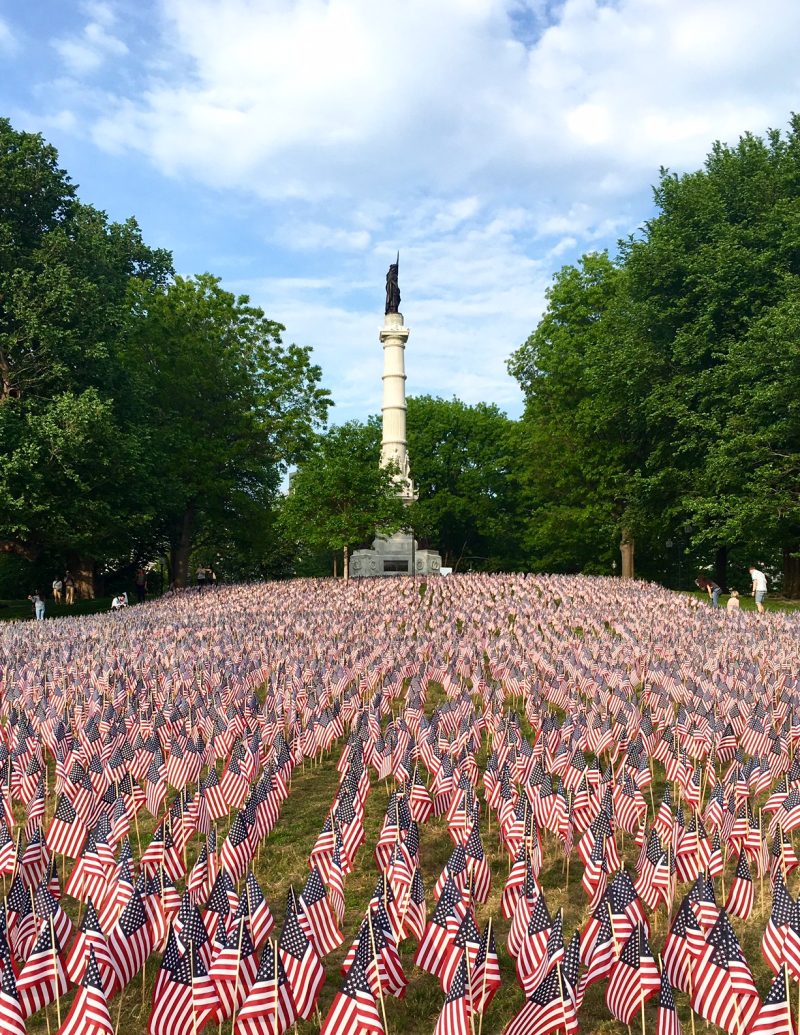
292,146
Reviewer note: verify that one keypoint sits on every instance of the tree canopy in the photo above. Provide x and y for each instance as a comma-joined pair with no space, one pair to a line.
145,414
140,413
340,497
225,405
464,464
661,385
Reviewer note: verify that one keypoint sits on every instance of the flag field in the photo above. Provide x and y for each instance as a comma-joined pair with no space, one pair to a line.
538,804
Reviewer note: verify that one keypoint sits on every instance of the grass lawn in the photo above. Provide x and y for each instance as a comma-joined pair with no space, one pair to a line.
748,604
16,610
283,861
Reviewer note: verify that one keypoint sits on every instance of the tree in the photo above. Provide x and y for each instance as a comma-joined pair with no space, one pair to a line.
340,496
713,279
65,434
754,465
661,386
226,405
465,464
581,432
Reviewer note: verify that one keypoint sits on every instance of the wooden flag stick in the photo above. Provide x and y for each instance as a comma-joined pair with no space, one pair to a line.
275,959
761,835
191,965
377,968
238,967
485,971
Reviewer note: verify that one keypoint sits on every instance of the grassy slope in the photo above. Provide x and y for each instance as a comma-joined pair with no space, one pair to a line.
747,603
19,610
283,860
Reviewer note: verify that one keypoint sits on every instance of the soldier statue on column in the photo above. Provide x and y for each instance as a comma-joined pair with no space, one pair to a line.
392,288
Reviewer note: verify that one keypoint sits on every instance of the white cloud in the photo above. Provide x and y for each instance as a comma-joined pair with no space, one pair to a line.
487,139
86,53
340,99
7,39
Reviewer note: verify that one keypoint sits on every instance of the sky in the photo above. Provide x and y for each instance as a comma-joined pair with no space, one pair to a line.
292,147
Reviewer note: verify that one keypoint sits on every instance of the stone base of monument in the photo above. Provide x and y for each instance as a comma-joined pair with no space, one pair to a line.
394,555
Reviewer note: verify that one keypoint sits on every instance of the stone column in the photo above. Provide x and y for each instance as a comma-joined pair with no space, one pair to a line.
394,446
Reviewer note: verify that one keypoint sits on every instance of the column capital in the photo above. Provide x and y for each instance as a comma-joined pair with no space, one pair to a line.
394,335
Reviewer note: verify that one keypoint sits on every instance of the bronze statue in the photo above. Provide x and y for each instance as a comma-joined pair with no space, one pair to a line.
392,288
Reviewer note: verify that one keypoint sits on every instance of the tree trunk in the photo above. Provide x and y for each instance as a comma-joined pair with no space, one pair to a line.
30,553
791,571
183,548
721,568
335,562
346,563
626,549
82,568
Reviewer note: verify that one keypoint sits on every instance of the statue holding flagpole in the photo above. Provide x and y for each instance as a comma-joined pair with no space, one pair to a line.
392,288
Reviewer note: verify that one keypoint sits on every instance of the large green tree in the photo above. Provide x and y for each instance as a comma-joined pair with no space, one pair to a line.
340,496
69,451
661,386
464,461
227,408
712,283
581,430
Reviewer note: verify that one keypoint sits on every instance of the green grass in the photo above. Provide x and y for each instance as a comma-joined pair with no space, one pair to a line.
19,610
283,861
747,603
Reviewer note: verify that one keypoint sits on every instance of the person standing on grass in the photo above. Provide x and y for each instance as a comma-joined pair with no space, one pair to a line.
141,585
58,585
733,601
759,587
69,586
37,600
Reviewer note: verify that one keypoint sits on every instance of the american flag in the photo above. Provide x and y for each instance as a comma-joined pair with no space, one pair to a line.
89,1012
723,991
533,948
455,1016
173,1007
667,1022
486,973
42,979
783,907
234,968
435,941
304,970
315,915
12,1016
89,935
774,1015
67,832
354,1010
269,1006
253,905
549,1009
634,978
129,942
741,894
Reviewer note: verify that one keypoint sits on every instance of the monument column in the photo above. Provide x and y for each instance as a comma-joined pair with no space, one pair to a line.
394,445
395,554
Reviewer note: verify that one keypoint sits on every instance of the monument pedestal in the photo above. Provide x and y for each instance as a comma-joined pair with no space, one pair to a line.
394,555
